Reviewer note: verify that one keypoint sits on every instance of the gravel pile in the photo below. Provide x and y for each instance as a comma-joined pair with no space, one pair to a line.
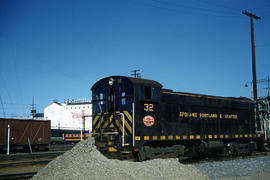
84,161
238,169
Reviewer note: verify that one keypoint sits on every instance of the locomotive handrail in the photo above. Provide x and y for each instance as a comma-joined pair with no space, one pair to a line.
265,129
123,132
110,133
123,126
133,124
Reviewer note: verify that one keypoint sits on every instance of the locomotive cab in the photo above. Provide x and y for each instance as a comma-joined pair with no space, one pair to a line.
115,100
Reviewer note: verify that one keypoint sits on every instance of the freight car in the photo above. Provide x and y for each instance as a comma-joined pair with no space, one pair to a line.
62,136
136,118
24,133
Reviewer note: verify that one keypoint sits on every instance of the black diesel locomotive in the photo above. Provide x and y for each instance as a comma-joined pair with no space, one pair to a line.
136,118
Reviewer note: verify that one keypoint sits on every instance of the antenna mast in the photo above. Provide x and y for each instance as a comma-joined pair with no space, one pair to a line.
136,74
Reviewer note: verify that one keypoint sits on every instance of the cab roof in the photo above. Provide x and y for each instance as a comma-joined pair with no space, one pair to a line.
132,80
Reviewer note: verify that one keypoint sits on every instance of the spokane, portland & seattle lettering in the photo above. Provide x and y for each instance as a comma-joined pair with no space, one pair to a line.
207,115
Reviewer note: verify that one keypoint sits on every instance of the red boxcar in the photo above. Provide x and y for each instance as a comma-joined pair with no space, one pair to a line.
24,132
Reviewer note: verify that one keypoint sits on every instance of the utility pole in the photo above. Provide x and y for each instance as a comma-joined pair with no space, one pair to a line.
33,110
253,52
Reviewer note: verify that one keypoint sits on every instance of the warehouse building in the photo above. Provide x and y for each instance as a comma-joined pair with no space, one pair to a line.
70,115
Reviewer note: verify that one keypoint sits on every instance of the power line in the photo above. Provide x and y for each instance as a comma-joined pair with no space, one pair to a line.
206,11
19,104
3,84
3,107
17,79
263,45
200,8
218,4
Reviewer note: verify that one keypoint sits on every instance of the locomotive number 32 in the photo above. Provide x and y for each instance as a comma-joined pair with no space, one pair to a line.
148,107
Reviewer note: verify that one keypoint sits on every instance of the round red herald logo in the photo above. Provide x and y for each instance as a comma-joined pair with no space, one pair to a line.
148,120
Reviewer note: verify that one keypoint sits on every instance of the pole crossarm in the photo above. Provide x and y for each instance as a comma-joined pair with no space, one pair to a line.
251,15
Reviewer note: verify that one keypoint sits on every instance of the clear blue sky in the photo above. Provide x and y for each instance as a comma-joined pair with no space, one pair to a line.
57,49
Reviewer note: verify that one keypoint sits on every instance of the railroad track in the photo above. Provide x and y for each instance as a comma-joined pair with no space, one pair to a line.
28,163
25,175
225,158
24,166
61,147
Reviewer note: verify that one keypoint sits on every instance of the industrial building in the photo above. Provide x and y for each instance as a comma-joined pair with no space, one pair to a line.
70,115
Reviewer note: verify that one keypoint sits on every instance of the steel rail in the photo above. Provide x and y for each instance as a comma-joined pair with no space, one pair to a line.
25,175
26,163
34,155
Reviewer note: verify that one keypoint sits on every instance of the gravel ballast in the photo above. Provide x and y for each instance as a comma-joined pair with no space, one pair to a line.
237,169
84,161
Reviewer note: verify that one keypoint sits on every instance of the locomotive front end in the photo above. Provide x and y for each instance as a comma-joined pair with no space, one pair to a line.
112,99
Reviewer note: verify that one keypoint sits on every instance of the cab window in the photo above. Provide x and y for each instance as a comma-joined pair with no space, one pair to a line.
148,92
123,98
98,100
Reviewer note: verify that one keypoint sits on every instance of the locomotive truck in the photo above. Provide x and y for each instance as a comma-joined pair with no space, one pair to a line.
137,118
